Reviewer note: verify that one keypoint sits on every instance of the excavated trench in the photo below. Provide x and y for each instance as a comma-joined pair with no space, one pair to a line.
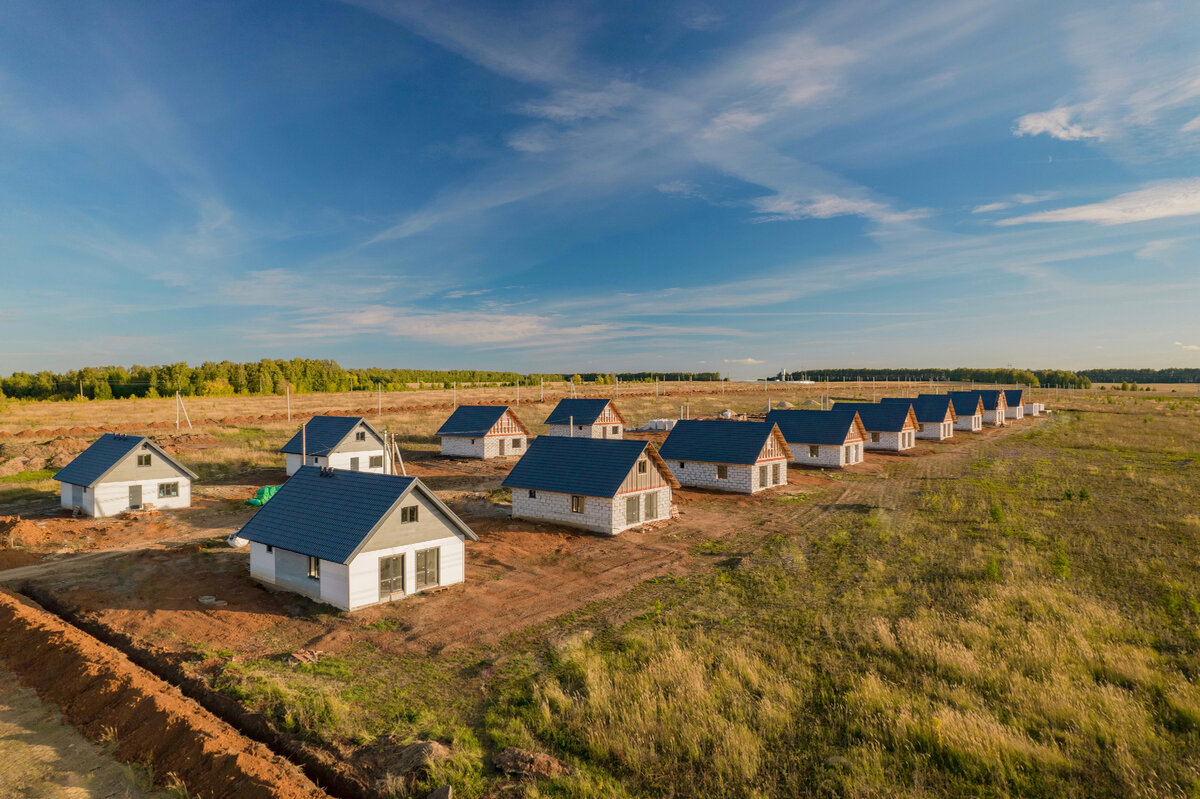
109,688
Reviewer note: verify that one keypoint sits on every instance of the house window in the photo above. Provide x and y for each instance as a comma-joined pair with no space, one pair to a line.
850,453
168,490
361,435
633,505
722,471
409,513
518,443
144,460
270,549
391,577
314,568
354,464
641,467
651,506
532,494
875,438
814,451
314,460
921,428
427,567
775,474
763,474
576,504
579,427
376,461
682,465
615,429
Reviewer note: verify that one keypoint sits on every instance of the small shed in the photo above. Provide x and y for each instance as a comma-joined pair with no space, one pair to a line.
743,457
890,426
1014,403
591,417
597,484
353,539
994,407
1034,408
829,439
483,431
968,407
935,415
339,442
121,472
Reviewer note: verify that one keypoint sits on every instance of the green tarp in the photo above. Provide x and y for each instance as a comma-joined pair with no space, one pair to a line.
262,495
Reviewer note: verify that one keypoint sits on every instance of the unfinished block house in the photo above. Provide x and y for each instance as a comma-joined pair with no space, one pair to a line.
743,457
119,473
1034,408
935,415
829,439
601,485
890,426
483,431
353,539
994,407
339,442
968,407
586,418
1014,403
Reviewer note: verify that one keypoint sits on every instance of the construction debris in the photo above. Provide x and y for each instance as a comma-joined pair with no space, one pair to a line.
308,656
523,763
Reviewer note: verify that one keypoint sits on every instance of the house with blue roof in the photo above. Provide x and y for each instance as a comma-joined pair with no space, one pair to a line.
121,472
994,406
339,442
828,439
743,457
586,417
1014,403
968,410
891,427
604,485
935,415
354,539
484,431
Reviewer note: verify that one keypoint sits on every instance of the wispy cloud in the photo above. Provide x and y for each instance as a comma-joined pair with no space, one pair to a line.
1056,123
1159,201
1187,347
987,208
744,361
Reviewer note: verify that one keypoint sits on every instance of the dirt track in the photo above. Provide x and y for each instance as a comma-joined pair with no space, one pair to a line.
108,698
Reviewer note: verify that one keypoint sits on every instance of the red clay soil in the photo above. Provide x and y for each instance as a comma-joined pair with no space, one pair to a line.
109,699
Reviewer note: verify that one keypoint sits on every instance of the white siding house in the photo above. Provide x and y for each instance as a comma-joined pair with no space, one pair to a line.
484,431
391,537
1014,403
601,485
119,473
337,442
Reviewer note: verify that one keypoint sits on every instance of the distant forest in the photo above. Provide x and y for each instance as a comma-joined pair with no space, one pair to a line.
1142,375
300,375
1025,377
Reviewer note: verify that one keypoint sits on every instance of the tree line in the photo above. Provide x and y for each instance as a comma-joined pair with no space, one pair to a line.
1177,375
1004,376
267,376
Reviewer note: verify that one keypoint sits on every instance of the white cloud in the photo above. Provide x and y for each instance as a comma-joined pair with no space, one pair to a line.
779,208
1164,200
1188,347
1055,123
737,120
538,139
743,361
1154,250
1191,127
678,187
570,105
989,207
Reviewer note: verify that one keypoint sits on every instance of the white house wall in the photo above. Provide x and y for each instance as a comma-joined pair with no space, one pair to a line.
459,447
829,456
891,442
262,563
341,460
109,499
1015,412
662,508
936,431
993,418
588,430
485,448
600,514
364,569
293,462
971,424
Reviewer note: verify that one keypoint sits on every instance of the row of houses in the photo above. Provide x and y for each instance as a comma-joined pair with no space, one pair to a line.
344,531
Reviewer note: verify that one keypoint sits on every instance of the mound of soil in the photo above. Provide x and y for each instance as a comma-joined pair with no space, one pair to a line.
107,697
18,532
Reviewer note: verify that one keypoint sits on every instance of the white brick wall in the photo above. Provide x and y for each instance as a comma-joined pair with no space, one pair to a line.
741,479
485,448
993,418
935,431
970,423
1015,412
891,442
588,431
599,514
828,456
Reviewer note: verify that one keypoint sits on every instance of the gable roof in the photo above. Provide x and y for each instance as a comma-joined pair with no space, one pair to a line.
991,397
889,417
718,441
474,421
1014,397
930,408
325,434
583,411
329,513
816,427
966,403
91,465
594,467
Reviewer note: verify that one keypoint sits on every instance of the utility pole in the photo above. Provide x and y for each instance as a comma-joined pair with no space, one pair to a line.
287,390
379,386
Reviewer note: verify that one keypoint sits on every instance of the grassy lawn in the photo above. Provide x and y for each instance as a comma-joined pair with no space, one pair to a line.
1027,622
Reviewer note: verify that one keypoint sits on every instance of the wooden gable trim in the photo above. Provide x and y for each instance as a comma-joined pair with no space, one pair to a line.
856,428
951,416
508,414
661,465
777,437
611,407
910,421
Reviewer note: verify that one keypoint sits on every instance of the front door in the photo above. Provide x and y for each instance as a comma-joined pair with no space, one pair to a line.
135,496
354,464
633,506
762,476
427,568
391,578
502,448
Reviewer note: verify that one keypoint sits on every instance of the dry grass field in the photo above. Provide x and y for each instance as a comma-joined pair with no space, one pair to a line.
1010,613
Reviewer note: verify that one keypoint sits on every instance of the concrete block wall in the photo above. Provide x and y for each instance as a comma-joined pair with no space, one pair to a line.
891,442
1015,412
969,423
704,475
936,431
599,514
662,509
492,446
458,447
993,418
587,430
757,483
828,456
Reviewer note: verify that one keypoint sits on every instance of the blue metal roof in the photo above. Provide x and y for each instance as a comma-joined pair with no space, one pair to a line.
107,451
716,441
879,417
965,403
990,397
328,513
594,467
1014,397
814,427
930,408
577,411
323,434
472,421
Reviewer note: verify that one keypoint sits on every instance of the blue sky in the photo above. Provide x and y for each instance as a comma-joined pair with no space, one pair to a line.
600,186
